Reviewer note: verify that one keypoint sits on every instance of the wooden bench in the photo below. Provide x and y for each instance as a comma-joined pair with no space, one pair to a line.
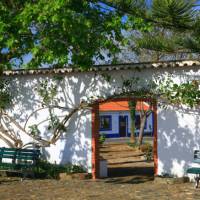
195,170
18,160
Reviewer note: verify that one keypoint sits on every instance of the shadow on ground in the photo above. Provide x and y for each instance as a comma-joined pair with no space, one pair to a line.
130,175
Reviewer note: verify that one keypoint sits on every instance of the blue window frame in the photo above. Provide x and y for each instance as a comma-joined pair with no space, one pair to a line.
105,123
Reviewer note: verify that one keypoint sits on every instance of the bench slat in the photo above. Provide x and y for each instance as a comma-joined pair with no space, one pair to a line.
15,166
18,149
19,157
18,153
21,160
193,170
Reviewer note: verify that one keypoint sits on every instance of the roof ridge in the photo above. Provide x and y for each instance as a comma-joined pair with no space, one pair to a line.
122,66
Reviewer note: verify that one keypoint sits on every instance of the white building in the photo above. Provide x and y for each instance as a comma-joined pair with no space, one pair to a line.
115,120
176,129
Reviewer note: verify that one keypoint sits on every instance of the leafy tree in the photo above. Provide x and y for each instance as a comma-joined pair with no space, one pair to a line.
78,32
144,114
66,32
57,32
170,28
174,33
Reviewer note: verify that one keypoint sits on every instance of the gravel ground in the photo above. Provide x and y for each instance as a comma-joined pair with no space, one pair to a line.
107,189
130,178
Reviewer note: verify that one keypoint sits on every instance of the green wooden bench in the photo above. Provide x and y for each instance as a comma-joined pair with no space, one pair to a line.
18,160
195,170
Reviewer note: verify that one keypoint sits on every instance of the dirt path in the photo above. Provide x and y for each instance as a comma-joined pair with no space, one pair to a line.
126,163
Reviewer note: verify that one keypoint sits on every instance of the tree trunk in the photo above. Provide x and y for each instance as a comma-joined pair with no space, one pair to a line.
132,108
142,125
132,137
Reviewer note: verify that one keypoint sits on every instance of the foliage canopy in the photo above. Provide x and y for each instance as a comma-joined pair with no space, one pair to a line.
79,32
56,32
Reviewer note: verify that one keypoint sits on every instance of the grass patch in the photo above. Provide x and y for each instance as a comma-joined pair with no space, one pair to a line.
133,145
102,138
146,148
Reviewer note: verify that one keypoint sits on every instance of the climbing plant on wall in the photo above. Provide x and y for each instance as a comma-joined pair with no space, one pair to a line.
187,93
166,91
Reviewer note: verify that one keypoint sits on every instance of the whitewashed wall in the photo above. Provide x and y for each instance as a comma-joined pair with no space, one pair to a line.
178,129
178,137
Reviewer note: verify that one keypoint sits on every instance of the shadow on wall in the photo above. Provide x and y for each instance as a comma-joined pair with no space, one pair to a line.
178,137
73,89
77,146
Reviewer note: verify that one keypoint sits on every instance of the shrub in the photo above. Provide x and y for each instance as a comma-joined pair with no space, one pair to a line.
133,145
76,169
102,138
147,149
52,170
